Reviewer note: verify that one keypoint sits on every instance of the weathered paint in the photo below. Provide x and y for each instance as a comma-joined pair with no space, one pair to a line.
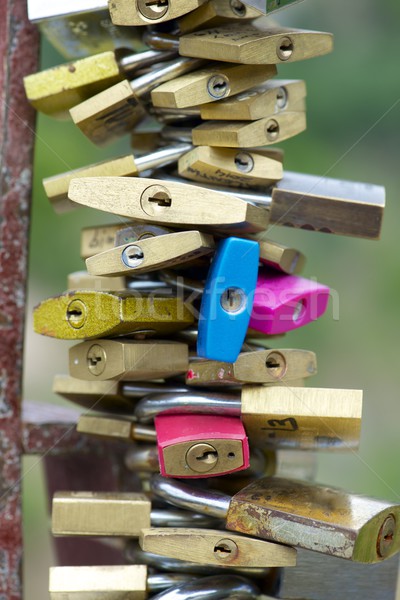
19,43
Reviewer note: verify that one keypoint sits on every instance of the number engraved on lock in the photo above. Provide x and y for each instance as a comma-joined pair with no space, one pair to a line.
288,425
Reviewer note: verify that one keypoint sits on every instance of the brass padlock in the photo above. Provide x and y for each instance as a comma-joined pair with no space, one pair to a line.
56,187
211,83
171,204
228,166
310,516
128,360
247,134
116,110
258,102
151,254
149,12
255,43
91,314
54,91
122,514
213,547
215,13
262,366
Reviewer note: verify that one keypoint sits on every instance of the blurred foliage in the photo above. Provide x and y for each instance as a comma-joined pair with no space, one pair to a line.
353,133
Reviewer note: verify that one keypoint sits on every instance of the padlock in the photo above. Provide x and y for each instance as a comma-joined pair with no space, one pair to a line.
121,514
132,582
109,396
215,587
259,102
262,366
81,29
149,12
127,360
201,445
56,187
274,416
268,6
283,302
247,134
315,203
310,516
116,110
215,13
151,254
226,302
227,166
144,199
213,547
56,90
255,43
209,84
91,314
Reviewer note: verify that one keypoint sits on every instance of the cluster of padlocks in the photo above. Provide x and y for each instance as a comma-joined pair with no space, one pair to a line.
181,300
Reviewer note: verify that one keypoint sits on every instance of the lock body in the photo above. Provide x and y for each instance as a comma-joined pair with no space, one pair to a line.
201,445
285,302
227,300
127,360
317,518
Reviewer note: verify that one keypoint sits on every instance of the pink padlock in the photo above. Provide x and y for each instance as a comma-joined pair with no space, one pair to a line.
285,302
201,445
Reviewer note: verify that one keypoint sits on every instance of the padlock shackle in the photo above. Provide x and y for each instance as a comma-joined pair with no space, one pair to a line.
140,389
158,582
208,502
170,70
214,587
188,403
180,518
144,59
163,156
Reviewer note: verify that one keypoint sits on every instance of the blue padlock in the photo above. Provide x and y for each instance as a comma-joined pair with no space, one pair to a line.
228,299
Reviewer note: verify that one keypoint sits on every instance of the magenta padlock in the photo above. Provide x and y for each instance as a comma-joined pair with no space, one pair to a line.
285,302
201,445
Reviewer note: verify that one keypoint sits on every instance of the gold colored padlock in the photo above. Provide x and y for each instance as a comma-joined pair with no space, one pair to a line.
232,167
91,314
149,12
151,254
127,360
262,366
259,102
214,547
213,82
169,204
255,43
247,134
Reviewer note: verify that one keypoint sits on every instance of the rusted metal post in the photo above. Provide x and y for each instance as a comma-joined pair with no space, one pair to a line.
19,44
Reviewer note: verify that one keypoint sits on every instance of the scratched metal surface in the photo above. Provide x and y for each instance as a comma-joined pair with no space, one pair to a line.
19,44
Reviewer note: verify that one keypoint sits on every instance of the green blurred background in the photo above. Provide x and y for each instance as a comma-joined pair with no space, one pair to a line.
353,133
